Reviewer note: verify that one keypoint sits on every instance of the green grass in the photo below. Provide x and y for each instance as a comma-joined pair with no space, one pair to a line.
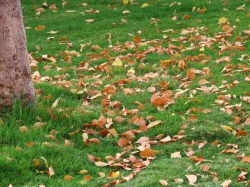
77,108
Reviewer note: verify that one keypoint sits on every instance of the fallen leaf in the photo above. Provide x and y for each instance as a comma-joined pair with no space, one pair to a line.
87,178
23,129
176,155
190,74
191,179
83,171
101,174
101,164
117,62
144,5
226,183
40,28
179,180
148,153
163,182
68,177
125,2
152,124
90,20
114,175
222,20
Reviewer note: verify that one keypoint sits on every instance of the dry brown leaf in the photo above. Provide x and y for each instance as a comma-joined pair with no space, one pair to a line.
148,153
101,164
23,129
245,159
123,142
152,124
190,74
30,144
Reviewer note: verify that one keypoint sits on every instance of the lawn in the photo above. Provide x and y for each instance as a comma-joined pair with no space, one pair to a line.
132,93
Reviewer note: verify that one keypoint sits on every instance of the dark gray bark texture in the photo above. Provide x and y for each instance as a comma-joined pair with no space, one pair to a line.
15,75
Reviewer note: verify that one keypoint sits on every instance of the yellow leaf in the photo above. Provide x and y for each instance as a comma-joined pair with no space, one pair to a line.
227,128
202,49
114,174
144,5
117,62
125,2
1,121
52,32
222,20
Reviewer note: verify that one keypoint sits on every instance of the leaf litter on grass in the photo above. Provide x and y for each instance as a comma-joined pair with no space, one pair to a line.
100,84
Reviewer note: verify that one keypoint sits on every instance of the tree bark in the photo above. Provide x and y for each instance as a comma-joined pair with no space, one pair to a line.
15,75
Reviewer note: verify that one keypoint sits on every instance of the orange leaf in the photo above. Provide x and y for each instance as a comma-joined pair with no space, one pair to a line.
122,142
241,133
186,16
30,144
36,162
190,74
109,89
93,140
148,153
87,178
233,151
137,39
40,27
245,159
181,65
68,177
197,159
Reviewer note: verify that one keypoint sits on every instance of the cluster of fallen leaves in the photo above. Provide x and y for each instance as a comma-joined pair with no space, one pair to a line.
136,153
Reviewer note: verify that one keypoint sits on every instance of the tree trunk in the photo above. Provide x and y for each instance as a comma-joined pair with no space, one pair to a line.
15,75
